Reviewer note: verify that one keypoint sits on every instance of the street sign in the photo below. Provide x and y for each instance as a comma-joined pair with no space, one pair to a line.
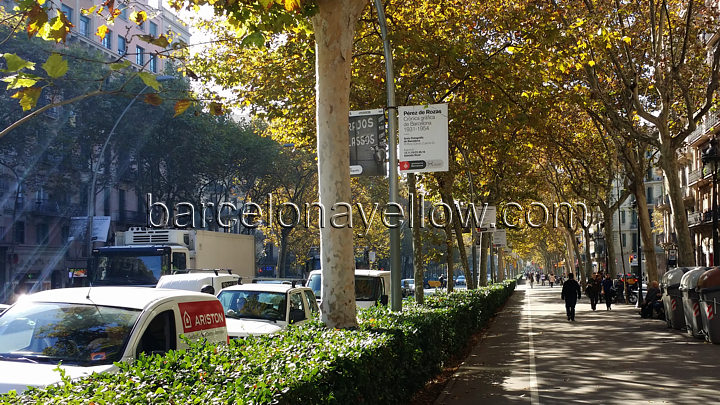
484,219
500,238
423,135
101,226
368,143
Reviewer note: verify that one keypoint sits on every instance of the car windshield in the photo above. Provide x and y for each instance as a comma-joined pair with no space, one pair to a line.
128,270
315,282
367,288
71,333
253,304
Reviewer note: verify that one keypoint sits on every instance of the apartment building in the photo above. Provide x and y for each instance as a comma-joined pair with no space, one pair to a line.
37,247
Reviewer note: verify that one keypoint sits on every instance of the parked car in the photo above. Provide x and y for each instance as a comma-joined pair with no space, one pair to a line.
372,287
460,280
89,329
261,309
408,286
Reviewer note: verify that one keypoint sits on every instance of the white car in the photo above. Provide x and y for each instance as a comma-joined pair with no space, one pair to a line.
88,329
372,287
197,280
3,307
261,309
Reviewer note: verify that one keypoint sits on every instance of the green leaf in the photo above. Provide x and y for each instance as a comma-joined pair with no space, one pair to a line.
120,65
255,39
55,66
15,63
17,82
149,80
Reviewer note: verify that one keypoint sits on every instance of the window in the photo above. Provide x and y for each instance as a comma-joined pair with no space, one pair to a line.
159,337
624,240
142,26
68,12
139,55
84,26
622,216
107,41
311,301
41,234
2,234
650,196
153,29
297,309
122,46
153,63
123,12
20,232
633,218
634,241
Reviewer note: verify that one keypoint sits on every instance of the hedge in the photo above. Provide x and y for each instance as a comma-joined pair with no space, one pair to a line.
385,360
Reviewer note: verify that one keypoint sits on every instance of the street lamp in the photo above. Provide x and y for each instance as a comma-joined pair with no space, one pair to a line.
710,155
91,192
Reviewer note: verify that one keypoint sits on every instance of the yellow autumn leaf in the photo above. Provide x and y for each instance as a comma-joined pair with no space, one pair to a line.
591,63
102,31
626,39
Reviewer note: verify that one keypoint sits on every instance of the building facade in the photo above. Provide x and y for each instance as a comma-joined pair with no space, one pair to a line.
37,248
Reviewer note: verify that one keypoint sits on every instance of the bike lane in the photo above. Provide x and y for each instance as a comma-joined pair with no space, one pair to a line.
532,354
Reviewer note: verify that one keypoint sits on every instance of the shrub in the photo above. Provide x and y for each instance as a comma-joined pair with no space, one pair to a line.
385,360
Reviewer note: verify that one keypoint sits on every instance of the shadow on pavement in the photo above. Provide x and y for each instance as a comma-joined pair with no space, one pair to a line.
532,354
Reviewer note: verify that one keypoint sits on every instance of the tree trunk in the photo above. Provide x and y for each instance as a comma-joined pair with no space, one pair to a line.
418,261
668,162
334,26
588,262
501,265
484,245
444,181
609,245
648,244
282,254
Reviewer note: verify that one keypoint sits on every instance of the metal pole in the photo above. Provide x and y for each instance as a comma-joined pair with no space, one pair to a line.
395,276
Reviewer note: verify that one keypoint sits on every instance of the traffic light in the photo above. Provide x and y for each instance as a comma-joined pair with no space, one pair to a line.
631,258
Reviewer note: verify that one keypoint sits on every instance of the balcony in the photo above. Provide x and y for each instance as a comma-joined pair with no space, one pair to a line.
708,124
700,218
51,208
697,176
662,202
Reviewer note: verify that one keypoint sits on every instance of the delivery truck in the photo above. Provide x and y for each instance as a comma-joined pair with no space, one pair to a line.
141,256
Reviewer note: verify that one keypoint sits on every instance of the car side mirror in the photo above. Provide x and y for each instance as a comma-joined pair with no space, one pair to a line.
384,299
296,315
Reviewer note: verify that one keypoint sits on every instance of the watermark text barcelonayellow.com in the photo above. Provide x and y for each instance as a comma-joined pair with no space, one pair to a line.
290,215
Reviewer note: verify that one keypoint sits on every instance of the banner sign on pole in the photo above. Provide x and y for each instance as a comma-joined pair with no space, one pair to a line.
101,226
500,238
368,143
423,136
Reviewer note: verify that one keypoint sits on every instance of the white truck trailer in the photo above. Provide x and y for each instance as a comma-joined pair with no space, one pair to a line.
141,256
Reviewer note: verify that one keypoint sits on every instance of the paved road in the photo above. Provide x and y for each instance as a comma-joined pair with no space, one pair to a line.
532,354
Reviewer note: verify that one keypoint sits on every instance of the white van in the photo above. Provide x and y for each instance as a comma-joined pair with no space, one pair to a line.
88,329
196,280
372,287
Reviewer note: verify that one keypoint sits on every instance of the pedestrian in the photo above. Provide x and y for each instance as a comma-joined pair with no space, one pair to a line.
652,300
532,280
552,279
608,291
571,292
542,278
593,291
442,281
537,278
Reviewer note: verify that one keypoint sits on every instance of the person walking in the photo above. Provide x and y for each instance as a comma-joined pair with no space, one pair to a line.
593,291
542,278
532,280
608,291
571,292
552,279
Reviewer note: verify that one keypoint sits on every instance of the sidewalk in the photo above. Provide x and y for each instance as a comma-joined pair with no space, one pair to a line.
532,354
